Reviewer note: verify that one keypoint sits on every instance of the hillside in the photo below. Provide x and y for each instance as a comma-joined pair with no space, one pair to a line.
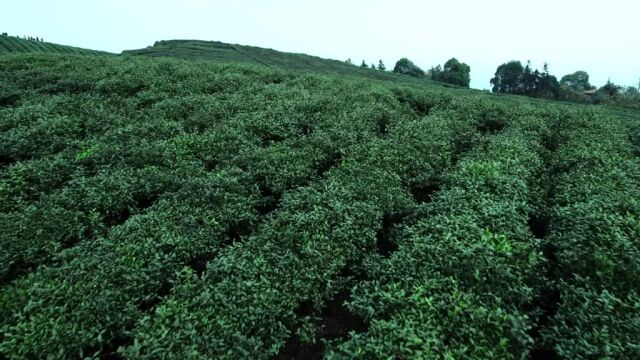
231,53
160,207
12,44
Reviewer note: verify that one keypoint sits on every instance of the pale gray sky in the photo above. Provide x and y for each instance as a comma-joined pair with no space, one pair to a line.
601,37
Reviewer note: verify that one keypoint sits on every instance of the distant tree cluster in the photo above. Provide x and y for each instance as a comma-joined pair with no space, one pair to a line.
372,66
29,38
513,78
25,37
454,72
615,94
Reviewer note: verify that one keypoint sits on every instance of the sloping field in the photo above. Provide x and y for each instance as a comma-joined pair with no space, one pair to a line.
163,208
232,53
11,44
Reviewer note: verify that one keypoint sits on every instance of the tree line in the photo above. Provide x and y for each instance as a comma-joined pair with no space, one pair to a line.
453,72
514,78
25,37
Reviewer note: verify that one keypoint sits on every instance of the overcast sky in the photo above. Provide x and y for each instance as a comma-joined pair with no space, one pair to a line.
601,37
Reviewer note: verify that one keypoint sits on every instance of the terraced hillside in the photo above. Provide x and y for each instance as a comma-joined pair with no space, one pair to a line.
164,208
12,44
231,53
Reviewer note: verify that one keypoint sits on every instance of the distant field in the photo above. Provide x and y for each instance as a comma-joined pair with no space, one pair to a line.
230,53
261,205
12,44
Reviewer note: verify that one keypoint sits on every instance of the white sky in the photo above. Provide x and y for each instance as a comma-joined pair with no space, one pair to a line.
601,37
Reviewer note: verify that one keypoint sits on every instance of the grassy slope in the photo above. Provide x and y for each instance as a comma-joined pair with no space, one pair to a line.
12,44
231,53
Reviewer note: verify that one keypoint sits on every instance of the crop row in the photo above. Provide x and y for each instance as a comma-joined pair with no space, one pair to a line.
251,298
10,44
594,234
108,166
464,275
118,189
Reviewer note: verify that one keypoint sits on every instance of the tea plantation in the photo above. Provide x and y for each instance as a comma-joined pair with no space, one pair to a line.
12,44
190,209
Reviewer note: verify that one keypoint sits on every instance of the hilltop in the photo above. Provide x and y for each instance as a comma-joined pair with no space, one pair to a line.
233,53
12,44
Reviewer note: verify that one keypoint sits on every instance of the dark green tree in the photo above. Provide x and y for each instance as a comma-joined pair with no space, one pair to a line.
373,67
610,88
508,78
530,80
549,87
454,72
406,67
364,64
381,66
578,81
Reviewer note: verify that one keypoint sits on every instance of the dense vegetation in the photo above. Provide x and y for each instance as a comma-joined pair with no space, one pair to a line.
405,66
163,208
454,72
513,78
12,44
232,53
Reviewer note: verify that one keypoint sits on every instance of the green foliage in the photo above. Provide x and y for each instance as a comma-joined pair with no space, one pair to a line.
578,81
12,44
233,53
404,66
191,209
9,95
513,78
454,72
608,325
508,78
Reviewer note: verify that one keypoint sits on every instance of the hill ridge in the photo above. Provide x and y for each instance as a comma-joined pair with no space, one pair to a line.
12,44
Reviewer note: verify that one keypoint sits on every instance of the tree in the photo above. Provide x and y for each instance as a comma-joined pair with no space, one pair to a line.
508,78
578,81
364,64
513,78
348,61
631,90
454,72
610,88
549,87
530,80
373,67
381,66
406,67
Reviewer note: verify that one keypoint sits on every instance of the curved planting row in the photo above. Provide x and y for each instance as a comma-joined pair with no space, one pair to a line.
157,208
248,299
163,189
99,287
594,235
110,167
12,44
463,277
